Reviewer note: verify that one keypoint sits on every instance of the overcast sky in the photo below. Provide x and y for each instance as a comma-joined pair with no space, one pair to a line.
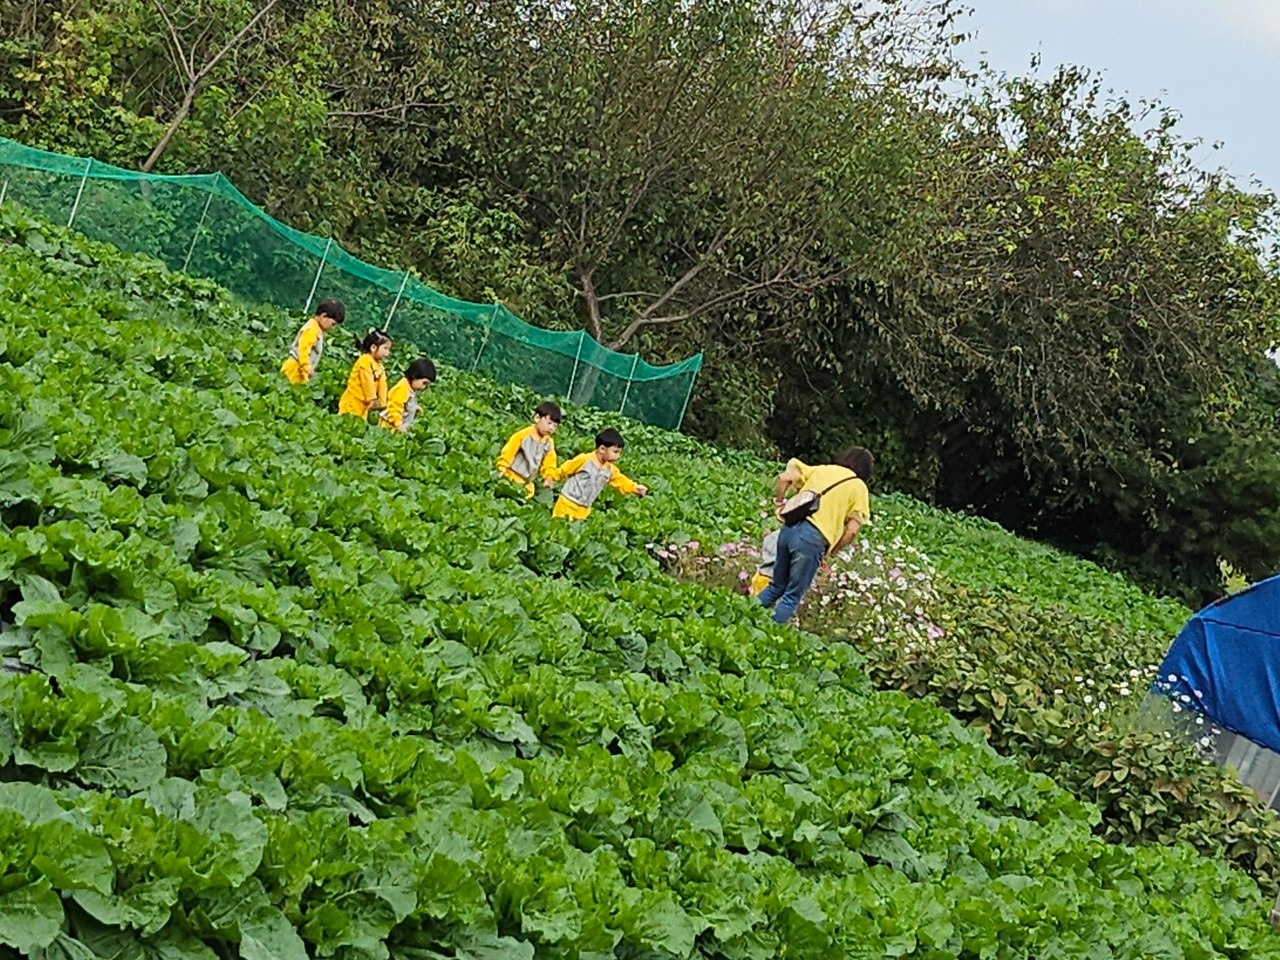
1217,62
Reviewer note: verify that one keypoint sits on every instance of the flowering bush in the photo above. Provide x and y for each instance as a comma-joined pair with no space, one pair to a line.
883,593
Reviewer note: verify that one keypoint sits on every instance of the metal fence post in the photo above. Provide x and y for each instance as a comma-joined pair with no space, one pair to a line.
196,236
488,328
4,188
687,394
395,303
319,270
573,377
622,410
88,165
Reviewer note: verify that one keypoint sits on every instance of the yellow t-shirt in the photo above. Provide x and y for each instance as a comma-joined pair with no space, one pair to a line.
305,353
850,499
526,455
366,388
402,407
585,479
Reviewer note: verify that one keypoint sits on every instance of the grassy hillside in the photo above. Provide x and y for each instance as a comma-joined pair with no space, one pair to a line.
277,684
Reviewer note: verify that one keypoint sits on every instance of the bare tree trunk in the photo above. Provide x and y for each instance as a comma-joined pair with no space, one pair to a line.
588,294
184,111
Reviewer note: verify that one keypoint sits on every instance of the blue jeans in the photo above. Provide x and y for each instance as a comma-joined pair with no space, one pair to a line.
800,552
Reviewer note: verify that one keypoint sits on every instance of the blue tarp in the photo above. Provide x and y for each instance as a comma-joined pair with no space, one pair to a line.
1225,664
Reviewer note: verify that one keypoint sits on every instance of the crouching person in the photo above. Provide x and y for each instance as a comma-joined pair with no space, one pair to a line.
831,503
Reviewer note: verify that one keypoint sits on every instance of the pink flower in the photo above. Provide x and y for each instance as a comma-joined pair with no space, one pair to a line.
744,576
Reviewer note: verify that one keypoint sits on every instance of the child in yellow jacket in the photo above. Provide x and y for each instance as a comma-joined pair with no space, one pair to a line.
402,399
586,476
308,345
367,384
530,453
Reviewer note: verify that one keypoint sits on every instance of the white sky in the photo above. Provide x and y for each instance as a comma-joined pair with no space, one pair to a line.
1216,62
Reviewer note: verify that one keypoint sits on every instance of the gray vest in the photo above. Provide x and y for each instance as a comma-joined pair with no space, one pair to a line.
588,483
316,349
410,411
528,459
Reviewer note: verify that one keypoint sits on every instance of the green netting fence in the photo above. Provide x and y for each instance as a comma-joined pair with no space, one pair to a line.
204,226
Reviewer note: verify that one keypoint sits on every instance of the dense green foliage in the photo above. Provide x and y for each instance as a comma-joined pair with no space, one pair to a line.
1027,297
278,683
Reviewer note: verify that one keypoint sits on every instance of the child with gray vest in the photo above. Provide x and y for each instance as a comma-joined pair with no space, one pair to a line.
586,476
530,453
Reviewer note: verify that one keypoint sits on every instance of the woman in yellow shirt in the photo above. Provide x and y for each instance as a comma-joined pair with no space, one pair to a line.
402,401
367,384
805,544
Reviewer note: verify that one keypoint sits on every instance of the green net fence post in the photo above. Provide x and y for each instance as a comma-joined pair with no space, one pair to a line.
196,234
88,168
315,284
577,357
687,394
4,188
622,410
396,302
488,329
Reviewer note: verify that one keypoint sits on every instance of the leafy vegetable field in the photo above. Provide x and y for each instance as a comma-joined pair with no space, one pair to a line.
279,685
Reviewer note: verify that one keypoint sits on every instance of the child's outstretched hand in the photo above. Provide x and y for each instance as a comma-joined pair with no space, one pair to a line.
641,490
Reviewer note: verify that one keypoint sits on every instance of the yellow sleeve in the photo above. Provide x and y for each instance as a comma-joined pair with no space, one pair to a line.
621,482
507,455
381,385
800,467
572,467
396,400
549,464
368,388
306,340
860,505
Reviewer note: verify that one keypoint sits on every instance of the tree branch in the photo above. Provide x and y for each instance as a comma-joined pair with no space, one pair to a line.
194,77
181,60
234,41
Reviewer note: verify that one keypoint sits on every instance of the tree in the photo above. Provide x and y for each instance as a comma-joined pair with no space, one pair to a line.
688,160
195,71
1081,319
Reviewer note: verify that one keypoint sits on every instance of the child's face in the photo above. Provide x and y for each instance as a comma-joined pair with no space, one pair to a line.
545,425
381,351
326,322
419,384
608,454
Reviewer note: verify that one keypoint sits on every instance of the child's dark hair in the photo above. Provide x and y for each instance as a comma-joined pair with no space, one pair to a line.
335,310
859,460
374,338
421,369
609,437
548,409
